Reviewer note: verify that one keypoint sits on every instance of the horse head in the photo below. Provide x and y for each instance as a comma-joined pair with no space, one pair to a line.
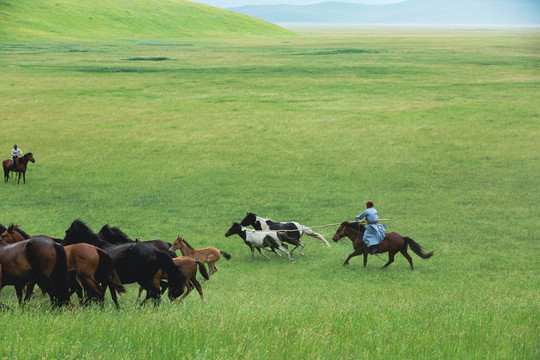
176,244
113,235
79,232
236,228
250,219
345,227
30,157
340,232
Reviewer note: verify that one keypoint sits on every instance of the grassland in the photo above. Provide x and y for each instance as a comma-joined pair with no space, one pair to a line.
439,128
57,21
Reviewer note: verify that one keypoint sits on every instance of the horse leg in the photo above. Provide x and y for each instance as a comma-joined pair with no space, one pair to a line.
212,268
364,249
356,252
302,244
93,290
391,255
198,287
29,290
19,292
163,286
24,177
152,289
407,256
140,292
285,251
272,250
114,297
260,252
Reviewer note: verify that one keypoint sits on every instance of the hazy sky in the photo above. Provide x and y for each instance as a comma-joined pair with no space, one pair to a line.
234,3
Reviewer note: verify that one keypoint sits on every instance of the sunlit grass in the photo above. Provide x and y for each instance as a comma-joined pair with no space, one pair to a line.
438,128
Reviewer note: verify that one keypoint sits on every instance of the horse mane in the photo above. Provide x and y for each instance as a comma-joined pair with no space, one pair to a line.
80,231
355,225
25,156
13,227
113,235
2,228
189,246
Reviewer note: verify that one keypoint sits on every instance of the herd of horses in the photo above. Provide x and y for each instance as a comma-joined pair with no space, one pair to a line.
88,264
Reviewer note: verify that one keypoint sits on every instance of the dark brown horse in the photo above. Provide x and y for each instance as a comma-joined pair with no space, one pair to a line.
393,243
89,268
20,168
35,260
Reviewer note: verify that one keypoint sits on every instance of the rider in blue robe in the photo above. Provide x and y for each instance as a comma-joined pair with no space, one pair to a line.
374,233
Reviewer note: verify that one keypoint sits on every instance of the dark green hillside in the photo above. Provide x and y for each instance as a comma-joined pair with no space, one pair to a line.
61,20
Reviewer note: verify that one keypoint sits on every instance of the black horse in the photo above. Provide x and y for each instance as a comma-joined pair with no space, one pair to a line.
134,262
114,235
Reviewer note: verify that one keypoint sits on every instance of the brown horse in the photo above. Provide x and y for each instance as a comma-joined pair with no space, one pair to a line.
87,267
393,243
188,266
35,260
209,255
22,163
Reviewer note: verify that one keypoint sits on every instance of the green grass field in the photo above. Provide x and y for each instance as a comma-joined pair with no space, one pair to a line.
439,127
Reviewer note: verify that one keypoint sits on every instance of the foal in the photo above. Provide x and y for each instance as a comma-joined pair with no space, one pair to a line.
209,255
258,239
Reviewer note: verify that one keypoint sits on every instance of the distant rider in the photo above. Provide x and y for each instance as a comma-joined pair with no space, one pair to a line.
374,233
15,153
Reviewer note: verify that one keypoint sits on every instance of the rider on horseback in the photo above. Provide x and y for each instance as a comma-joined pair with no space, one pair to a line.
15,153
374,233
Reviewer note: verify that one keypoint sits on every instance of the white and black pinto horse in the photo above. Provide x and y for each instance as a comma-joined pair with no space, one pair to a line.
259,239
293,237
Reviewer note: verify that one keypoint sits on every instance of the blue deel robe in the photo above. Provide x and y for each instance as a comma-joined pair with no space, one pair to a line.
374,233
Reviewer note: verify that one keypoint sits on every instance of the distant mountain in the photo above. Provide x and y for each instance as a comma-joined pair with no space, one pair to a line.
72,20
466,12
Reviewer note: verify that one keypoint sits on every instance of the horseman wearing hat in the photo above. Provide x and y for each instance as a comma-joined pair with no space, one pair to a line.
15,153
374,233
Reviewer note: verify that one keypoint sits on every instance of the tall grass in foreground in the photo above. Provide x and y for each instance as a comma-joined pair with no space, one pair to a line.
438,128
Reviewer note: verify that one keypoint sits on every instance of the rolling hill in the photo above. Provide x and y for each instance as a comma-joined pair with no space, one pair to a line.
65,20
490,12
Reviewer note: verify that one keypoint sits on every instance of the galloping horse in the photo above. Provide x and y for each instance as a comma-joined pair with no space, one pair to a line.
293,237
393,243
114,235
35,260
134,262
87,267
22,163
209,255
259,239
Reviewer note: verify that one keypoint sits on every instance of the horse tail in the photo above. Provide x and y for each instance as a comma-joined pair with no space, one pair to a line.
202,270
314,234
59,275
175,276
106,272
57,284
225,255
417,249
